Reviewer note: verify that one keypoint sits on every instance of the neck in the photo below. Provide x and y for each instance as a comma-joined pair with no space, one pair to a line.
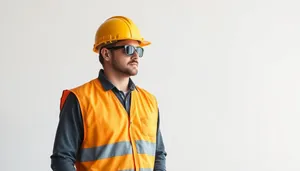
118,79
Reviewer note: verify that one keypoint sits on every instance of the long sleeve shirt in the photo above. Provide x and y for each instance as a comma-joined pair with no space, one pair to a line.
69,133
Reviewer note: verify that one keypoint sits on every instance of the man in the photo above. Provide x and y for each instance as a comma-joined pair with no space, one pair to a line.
109,123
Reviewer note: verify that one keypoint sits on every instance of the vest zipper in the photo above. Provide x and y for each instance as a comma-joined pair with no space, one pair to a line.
132,144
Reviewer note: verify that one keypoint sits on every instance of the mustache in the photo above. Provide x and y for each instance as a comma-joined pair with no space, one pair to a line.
133,61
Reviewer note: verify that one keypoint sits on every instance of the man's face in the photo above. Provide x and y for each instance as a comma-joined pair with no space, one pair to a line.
121,62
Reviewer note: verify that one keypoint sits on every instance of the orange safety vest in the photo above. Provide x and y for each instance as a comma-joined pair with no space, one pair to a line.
113,140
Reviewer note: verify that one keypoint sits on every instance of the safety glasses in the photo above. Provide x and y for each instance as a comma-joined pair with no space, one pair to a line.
129,49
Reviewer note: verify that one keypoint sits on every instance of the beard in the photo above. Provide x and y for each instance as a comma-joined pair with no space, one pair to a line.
123,69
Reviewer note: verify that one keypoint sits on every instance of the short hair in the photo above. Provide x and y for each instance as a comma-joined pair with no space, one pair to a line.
100,47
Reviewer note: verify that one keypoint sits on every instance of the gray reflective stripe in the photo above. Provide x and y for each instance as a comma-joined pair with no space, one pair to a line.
146,169
106,151
145,147
142,169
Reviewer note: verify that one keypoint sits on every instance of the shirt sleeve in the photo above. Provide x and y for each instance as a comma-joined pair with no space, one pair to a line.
160,156
69,136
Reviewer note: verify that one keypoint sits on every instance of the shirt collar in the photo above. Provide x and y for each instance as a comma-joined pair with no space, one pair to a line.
107,85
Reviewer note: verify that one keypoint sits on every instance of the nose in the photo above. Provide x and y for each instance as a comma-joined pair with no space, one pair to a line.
135,55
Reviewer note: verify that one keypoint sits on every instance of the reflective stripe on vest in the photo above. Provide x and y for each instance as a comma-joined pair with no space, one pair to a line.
113,141
141,169
116,149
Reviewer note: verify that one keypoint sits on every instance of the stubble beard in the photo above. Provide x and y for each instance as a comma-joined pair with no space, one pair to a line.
124,70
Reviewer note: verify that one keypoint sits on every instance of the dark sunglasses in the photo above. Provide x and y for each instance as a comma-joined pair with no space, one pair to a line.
129,49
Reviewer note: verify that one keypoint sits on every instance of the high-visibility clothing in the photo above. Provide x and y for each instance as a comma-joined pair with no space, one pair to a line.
113,140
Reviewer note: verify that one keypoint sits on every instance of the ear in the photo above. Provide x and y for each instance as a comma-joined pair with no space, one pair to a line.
106,54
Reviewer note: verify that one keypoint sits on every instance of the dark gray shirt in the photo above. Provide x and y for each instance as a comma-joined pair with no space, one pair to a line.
69,133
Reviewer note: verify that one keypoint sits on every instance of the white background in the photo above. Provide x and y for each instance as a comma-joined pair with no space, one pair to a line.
225,72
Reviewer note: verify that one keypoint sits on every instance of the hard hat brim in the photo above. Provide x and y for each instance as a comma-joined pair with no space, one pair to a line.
144,43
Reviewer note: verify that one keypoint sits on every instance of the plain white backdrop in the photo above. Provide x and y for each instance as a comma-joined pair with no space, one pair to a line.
226,74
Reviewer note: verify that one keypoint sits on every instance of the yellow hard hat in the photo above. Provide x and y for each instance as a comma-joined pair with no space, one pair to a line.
117,28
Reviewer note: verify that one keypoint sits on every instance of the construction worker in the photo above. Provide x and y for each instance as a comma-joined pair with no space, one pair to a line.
109,123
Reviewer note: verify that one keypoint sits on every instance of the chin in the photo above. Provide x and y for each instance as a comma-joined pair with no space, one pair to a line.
130,72
133,73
